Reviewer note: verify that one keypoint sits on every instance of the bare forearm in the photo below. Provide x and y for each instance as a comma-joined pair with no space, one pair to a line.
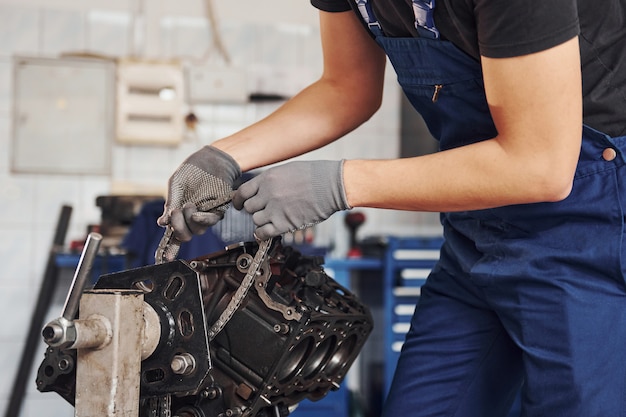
315,117
479,176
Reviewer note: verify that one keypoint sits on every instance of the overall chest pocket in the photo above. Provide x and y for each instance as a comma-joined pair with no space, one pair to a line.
456,112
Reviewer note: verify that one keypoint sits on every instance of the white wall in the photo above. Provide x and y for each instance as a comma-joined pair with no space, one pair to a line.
275,40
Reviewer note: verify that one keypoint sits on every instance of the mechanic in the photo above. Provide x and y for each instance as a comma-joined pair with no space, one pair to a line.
528,102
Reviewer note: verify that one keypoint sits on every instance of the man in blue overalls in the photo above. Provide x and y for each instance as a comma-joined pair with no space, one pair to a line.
530,287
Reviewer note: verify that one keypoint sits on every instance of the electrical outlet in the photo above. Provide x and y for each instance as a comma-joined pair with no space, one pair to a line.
150,98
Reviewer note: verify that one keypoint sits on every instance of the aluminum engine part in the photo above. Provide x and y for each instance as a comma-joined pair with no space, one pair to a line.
294,336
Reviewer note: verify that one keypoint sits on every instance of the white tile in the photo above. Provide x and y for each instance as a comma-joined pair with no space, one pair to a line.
40,246
47,404
63,31
297,37
154,183
6,90
388,150
18,200
241,41
238,41
361,144
250,114
51,193
91,188
15,303
166,37
388,116
230,113
148,159
5,145
19,31
10,352
278,45
205,134
151,168
186,37
108,32
311,51
185,149
190,136
256,35
119,161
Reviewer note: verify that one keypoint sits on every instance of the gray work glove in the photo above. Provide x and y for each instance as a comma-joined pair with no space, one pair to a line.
292,196
204,176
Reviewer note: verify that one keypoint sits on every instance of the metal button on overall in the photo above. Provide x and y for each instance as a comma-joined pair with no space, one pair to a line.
609,154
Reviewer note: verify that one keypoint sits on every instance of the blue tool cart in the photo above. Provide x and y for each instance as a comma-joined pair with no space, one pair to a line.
407,263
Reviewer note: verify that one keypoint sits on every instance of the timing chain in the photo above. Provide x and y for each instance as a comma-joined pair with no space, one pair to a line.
169,246
160,406
242,291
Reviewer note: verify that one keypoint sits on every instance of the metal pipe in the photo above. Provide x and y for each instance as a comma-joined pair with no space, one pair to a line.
94,332
82,273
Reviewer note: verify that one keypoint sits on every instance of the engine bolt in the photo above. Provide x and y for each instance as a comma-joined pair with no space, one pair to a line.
183,364
64,364
233,412
281,328
211,393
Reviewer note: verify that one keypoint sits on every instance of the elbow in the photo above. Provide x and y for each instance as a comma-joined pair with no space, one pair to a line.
548,176
544,178
366,101
357,104
553,185
558,192
375,101
359,110
370,107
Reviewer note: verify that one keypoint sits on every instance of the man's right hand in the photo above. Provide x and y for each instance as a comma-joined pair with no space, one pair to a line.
203,177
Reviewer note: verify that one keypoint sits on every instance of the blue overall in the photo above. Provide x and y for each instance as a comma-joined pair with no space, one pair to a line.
528,296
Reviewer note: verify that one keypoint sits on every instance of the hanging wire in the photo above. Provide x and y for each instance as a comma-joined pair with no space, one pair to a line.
217,43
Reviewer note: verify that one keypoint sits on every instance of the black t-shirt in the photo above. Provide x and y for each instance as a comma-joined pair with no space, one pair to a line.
507,28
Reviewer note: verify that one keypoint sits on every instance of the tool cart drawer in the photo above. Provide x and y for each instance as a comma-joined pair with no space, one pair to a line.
408,261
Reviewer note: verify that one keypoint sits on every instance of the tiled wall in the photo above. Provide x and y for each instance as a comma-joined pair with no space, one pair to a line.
280,52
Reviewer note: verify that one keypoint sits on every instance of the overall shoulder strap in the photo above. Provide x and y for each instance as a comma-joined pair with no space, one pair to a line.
424,18
423,10
361,8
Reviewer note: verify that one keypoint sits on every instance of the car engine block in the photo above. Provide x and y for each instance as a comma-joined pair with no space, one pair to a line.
292,336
